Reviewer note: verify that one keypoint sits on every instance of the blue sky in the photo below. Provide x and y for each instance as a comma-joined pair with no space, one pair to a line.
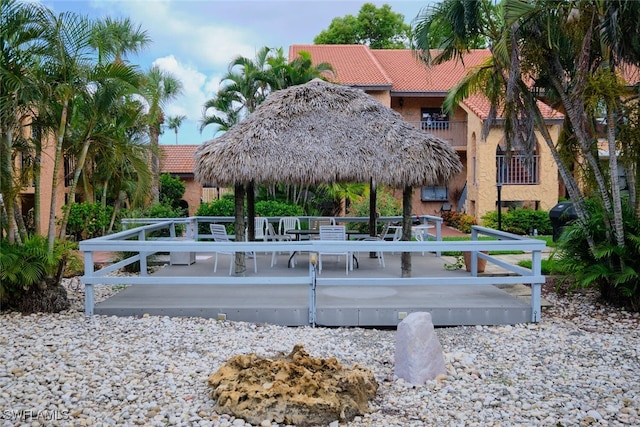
196,39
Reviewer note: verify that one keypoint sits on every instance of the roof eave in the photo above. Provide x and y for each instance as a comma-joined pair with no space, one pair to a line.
420,94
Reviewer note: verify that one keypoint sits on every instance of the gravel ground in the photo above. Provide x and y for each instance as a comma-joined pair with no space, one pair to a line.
580,366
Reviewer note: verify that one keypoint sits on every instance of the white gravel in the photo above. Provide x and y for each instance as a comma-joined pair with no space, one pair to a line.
580,366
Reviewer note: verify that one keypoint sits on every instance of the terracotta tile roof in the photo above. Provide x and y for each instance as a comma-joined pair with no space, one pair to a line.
409,74
357,65
177,158
480,106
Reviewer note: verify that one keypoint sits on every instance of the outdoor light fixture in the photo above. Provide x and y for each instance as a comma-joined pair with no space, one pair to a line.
401,101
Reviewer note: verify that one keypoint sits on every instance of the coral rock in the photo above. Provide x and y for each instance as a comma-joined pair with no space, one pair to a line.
294,389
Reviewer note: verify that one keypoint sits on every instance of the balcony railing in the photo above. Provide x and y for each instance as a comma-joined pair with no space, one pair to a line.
453,132
517,170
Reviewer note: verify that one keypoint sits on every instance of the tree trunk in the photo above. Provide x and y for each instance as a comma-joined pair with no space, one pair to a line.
7,190
154,135
618,225
72,190
405,258
37,178
51,236
239,226
251,212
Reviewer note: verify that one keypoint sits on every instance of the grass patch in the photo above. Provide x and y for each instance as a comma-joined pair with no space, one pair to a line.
459,253
548,267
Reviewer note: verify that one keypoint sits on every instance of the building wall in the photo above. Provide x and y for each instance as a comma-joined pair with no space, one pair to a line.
192,194
482,190
27,194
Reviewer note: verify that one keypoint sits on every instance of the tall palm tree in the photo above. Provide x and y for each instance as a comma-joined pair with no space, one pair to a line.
67,64
159,87
114,39
21,32
174,122
92,123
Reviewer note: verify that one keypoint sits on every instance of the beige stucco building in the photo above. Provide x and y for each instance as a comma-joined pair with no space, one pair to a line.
397,79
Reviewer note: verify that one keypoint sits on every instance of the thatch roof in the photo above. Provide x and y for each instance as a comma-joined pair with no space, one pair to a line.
321,132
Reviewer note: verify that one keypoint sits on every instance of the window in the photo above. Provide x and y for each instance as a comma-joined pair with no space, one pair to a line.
434,119
434,193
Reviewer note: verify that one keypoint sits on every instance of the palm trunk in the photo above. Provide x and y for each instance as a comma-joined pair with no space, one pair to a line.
154,135
7,192
37,178
615,179
405,258
51,236
74,184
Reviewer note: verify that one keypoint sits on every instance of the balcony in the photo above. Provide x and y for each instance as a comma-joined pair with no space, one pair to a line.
455,133
517,169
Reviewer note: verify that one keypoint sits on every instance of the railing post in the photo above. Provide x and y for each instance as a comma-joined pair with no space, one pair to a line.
143,255
536,288
88,287
313,261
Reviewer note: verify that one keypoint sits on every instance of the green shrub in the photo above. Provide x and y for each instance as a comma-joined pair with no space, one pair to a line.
520,221
276,208
613,269
386,205
460,221
27,267
88,220
171,190
223,207
158,210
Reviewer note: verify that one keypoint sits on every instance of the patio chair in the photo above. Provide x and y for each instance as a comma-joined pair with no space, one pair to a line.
379,238
288,223
271,235
220,235
260,226
316,223
336,233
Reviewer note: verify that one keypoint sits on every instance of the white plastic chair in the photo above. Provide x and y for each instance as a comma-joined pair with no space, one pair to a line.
336,233
220,235
379,238
271,235
288,223
316,223
260,225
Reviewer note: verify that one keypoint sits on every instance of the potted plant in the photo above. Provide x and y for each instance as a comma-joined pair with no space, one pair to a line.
482,263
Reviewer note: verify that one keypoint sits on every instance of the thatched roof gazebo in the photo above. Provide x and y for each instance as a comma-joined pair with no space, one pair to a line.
321,132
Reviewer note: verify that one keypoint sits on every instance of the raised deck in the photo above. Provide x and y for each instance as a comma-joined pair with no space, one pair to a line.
336,305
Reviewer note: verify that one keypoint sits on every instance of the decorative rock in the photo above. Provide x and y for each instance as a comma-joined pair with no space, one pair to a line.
418,356
302,390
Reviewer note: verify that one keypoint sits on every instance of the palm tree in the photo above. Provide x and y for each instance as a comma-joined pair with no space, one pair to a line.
572,50
92,123
21,32
116,38
158,88
174,122
299,71
67,64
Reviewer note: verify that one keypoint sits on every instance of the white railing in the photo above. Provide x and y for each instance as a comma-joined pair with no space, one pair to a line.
517,169
137,242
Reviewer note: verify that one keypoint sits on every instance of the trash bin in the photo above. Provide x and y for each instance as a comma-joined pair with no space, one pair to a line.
560,215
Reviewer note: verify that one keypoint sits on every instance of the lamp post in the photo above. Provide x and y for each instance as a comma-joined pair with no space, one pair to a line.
499,186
